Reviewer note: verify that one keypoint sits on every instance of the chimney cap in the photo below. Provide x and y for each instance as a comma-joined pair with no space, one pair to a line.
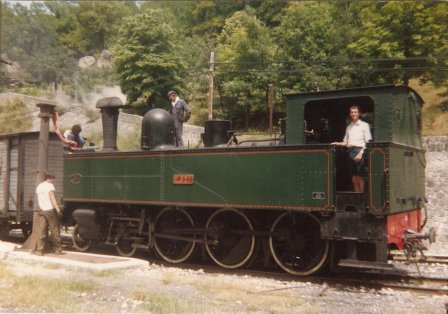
110,102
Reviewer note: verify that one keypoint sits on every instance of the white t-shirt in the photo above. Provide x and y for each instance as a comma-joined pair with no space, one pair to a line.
43,195
357,134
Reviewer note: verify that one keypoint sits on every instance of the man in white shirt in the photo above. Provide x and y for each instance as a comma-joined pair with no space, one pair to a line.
356,136
48,216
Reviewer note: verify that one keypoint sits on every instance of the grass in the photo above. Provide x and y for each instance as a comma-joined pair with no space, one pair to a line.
238,296
39,293
161,303
129,140
107,273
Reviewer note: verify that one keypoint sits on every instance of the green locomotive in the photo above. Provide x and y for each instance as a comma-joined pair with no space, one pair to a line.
287,199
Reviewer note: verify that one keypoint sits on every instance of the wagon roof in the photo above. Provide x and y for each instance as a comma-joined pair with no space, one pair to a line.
17,134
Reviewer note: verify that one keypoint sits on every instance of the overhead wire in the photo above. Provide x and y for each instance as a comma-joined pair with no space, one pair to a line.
328,70
203,70
329,61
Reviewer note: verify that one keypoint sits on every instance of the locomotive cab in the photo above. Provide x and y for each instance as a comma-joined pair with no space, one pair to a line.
394,165
394,116
326,121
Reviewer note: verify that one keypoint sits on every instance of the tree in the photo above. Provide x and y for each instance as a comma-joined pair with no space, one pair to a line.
404,39
98,23
147,58
15,116
244,50
311,39
30,40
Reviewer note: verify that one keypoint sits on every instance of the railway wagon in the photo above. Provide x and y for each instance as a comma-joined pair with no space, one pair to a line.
287,200
18,172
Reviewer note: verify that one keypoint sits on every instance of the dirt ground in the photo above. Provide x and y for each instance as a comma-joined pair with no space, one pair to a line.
32,286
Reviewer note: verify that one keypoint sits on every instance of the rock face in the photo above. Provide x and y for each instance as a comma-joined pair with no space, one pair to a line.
437,190
105,59
86,62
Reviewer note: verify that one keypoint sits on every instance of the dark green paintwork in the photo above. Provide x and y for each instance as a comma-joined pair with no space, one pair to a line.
293,176
396,166
396,178
407,178
252,178
388,125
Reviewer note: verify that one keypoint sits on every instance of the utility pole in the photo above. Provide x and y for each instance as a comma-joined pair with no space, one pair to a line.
46,111
210,85
270,105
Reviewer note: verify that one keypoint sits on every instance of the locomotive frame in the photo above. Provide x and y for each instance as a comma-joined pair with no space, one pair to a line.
287,200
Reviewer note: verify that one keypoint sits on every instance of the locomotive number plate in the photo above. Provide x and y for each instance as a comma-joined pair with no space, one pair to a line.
187,179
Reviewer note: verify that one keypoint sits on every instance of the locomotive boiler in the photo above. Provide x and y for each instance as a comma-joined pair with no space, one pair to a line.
287,200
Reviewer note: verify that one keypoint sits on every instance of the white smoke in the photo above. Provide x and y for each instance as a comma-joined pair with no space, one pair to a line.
81,108
90,99
86,99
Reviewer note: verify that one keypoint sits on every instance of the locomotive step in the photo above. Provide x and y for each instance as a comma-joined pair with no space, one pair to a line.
364,264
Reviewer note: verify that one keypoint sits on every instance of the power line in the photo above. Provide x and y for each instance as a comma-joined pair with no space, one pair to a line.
328,70
5,119
328,61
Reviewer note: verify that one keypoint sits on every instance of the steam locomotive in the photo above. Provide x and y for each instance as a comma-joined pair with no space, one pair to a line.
286,201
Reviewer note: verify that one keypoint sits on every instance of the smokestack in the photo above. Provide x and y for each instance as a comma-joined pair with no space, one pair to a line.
109,114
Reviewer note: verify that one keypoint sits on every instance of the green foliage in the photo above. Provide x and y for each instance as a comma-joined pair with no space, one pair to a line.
15,116
31,40
415,31
164,45
244,49
309,39
148,59
96,25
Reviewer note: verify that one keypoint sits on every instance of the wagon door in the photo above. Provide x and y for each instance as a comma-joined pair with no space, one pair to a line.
9,165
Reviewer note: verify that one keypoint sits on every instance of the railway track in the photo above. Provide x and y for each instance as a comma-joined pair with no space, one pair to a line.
430,259
398,281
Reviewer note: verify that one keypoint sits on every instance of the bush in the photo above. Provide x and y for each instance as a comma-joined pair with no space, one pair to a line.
15,116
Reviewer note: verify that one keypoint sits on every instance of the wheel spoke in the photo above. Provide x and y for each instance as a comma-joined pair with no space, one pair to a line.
302,252
173,250
233,232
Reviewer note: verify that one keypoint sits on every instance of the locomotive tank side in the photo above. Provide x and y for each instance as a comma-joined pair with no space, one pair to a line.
275,178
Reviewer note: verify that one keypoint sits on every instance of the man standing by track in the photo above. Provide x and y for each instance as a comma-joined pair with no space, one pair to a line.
48,216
